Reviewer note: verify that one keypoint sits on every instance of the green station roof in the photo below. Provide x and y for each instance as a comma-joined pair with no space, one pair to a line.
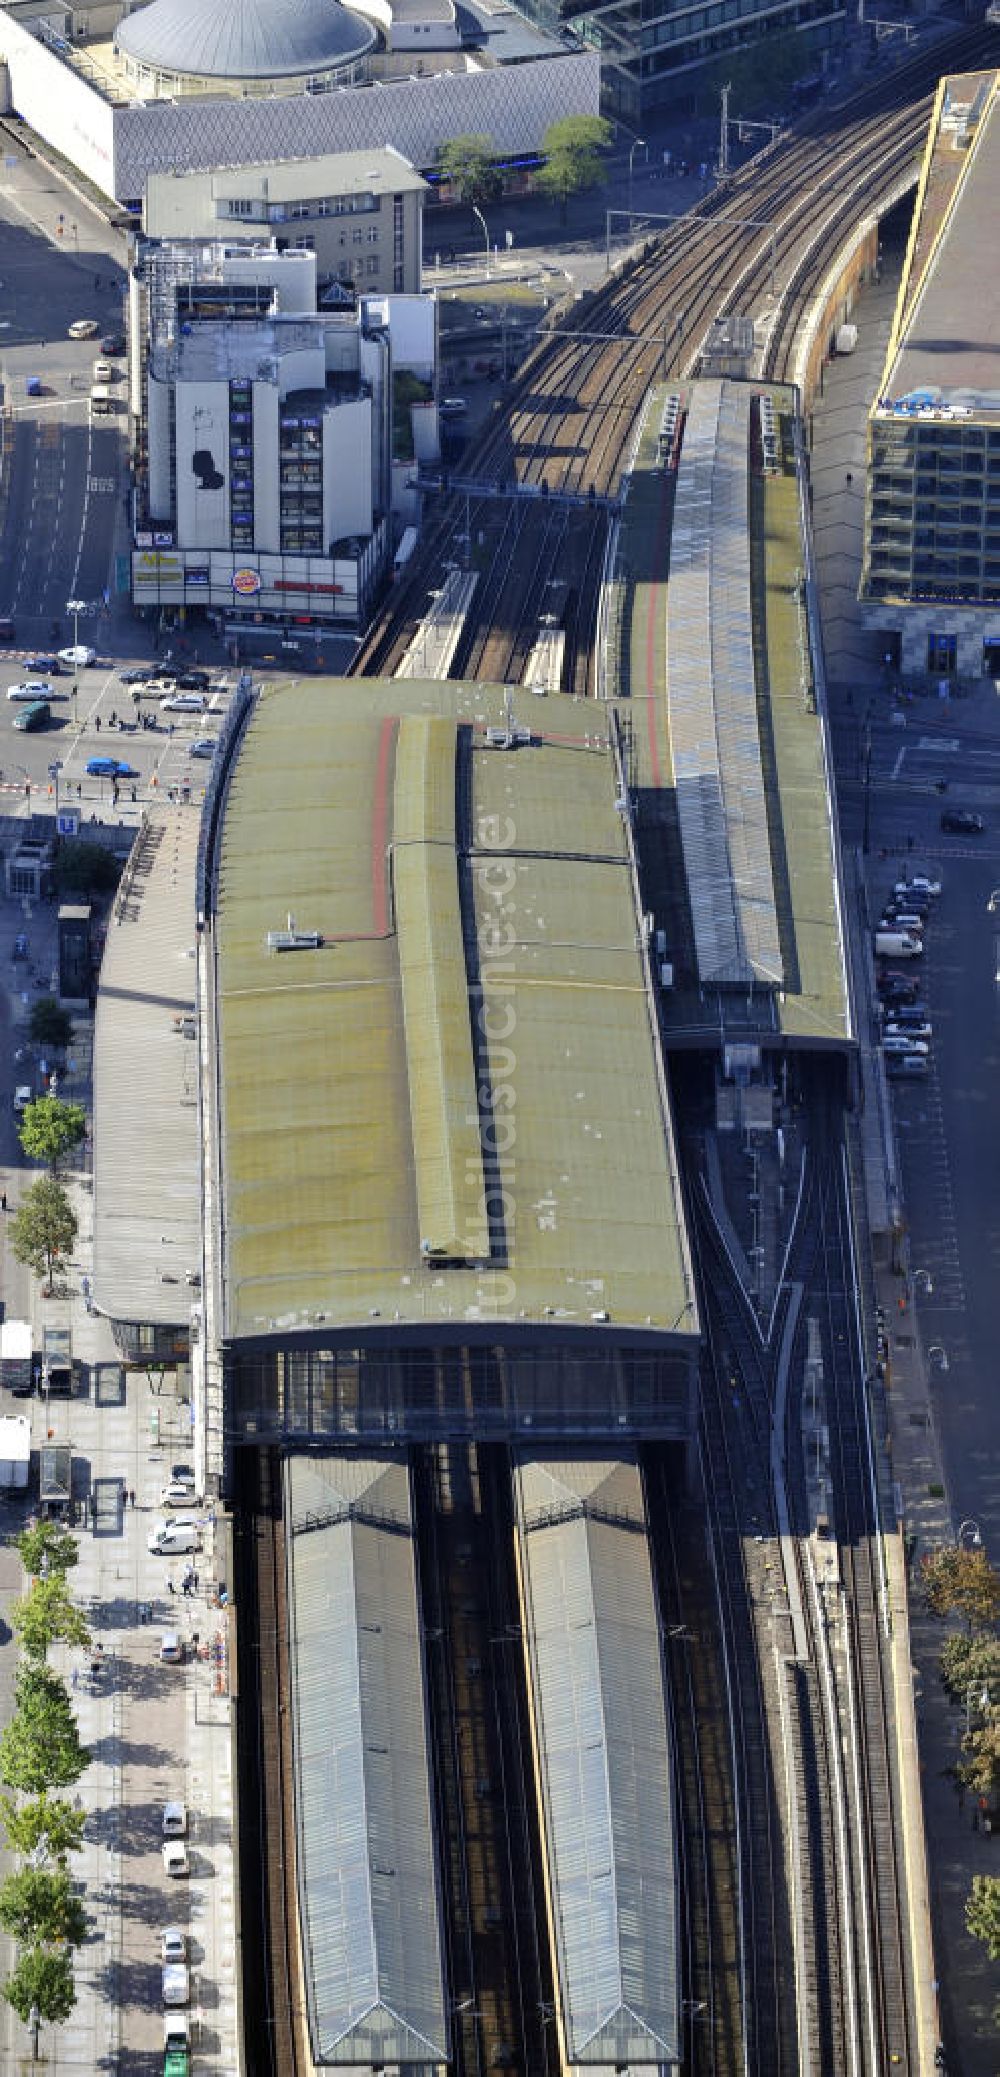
449,1116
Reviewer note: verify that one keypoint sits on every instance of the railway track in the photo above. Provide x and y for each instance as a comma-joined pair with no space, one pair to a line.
569,417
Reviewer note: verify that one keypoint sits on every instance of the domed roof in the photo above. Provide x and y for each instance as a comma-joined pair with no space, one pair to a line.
243,39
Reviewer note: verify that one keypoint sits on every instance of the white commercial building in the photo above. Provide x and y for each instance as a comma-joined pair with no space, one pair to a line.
264,441
185,84
359,212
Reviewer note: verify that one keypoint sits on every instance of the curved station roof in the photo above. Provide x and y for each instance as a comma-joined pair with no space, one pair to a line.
603,1756
368,1887
243,39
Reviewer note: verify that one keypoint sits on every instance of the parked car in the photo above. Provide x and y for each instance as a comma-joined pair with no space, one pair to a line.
897,1029
918,885
34,715
113,342
176,1860
898,987
136,674
204,746
78,656
177,1494
901,1043
84,328
43,666
184,703
903,919
183,1474
176,1983
173,1944
172,1648
32,689
963,822
900,1065
22,1097
8,630
19,949
453,407
110,768
175,1820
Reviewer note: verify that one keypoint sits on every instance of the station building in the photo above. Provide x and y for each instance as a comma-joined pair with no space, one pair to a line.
930,579
653,50
182,85
440,1146
267,434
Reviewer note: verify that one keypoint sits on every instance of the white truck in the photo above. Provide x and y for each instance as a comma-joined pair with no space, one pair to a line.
16,1370
15,1453
57,1362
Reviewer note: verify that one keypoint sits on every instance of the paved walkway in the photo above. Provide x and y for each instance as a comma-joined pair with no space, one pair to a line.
156,1731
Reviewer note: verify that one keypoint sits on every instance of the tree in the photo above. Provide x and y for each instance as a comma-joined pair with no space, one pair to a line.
963,1581
982,1913
468,164
50,1129
971,1665
45,1548
40,1904
47,1826
573,148
46,1613
50,1025
40,1748
980,1770
42,1982
43,1229
82,868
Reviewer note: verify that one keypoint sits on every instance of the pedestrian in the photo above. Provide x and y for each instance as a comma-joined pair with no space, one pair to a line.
27,789
97,723
849,478
3,1200
171,1589
131,1496
75,1679
194,1582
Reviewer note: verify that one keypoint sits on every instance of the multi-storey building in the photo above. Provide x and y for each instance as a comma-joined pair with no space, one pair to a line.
360,212
264,441
653,50
931,575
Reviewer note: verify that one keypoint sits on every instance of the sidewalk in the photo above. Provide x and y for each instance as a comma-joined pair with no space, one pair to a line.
156,1731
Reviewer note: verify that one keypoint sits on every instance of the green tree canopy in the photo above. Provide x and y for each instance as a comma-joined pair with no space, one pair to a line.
47,1548
41,1904
50,1129
49,1024
573,161
42,1981
468,164
40,1747
44,1228
48,1826
980,1768
82,868
970,1664
982,1913
964,1582
46,1613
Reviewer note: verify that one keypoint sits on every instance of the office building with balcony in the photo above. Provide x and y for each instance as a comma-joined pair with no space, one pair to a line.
931,573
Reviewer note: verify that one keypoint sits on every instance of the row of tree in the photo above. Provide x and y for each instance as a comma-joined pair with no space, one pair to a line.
41,1755
571,161
962,1582
43,1230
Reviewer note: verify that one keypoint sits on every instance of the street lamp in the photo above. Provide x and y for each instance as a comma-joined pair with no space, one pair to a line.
76,607
478,212
633,148
34,2021
968,1535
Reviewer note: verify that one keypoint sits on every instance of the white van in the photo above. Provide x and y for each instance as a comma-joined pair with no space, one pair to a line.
102,400
897,944
167,1539
103,372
